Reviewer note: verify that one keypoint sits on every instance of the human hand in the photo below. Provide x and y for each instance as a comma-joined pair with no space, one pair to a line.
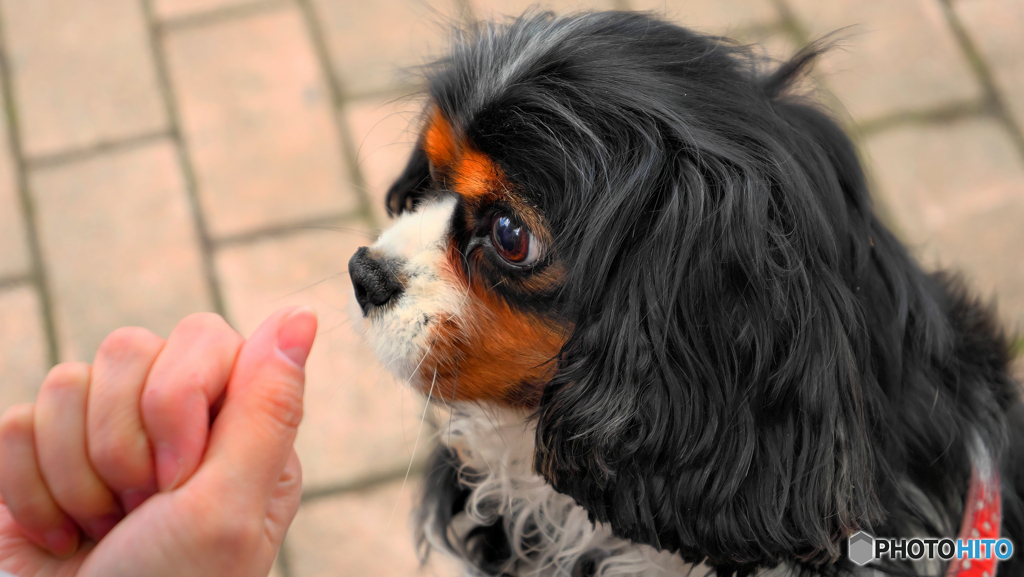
208,489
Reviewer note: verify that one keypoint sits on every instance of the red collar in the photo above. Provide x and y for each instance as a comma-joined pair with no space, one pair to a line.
982,518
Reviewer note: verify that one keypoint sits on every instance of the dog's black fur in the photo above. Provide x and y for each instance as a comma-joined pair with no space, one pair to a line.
758,368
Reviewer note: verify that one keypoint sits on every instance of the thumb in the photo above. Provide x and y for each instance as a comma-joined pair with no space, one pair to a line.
252,436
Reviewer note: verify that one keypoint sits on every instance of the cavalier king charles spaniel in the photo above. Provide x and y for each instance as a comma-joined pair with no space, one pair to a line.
646,280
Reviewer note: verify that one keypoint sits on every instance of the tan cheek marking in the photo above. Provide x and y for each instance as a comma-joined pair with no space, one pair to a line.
491,352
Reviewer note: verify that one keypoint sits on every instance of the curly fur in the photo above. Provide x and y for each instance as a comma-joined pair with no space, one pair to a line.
490,455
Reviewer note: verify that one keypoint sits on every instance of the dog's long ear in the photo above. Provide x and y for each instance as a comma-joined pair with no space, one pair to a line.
410,186
715,397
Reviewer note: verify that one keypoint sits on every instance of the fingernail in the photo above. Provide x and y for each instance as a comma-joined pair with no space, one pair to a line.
62,542
168,466
295,335
98,528
132,498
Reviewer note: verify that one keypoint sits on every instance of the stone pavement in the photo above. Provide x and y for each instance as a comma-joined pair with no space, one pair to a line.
161,157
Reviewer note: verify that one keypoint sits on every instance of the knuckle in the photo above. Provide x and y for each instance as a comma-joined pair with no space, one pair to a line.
17,422
127,342
156,399
70,494
285,405
111,451
30,509
235,534
163,407
65,376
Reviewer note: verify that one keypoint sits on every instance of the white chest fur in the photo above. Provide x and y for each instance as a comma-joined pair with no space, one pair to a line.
548,532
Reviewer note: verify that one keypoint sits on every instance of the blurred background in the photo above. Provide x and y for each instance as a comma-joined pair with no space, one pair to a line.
162,157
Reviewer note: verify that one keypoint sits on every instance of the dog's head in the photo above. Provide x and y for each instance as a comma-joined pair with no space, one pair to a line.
630,230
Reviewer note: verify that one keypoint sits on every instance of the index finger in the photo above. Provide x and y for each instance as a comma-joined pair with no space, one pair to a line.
186,379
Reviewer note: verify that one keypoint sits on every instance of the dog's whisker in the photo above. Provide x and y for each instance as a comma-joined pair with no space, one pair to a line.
306,288
334,228
451,414
412,458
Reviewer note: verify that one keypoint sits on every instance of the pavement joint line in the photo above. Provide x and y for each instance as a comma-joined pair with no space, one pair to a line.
792,24
220,15
184,163
364,483
983,73
337,91
14,281
323,223
97,149
37,274
942,114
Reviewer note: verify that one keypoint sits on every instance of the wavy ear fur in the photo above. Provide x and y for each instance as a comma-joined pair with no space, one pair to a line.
410,186
717,397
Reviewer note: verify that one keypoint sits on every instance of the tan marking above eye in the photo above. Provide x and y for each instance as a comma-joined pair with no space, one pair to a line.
438,140
476,175
470,172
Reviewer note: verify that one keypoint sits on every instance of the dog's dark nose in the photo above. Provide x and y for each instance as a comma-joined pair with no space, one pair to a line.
374,280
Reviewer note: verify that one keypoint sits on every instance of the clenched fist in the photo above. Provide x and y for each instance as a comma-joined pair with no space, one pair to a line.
162,457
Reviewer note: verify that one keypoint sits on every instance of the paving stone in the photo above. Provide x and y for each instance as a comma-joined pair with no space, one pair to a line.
119,244
171,9
14,256
955,191
258,122
362,533
496,9
384,132
995,28
359,421
718,16
83,72
377,45
898,56
22,346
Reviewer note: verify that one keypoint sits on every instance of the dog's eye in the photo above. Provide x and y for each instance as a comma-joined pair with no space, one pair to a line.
513,242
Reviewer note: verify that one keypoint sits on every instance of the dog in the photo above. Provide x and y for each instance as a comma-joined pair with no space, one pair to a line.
645,278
